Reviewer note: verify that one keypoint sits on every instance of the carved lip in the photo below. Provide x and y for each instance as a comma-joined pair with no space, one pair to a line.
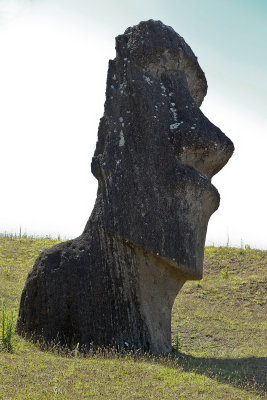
188,173
204,190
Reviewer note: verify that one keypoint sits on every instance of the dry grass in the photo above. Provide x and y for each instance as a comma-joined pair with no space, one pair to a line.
220,321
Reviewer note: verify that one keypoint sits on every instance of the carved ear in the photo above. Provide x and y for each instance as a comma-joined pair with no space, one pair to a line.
175,81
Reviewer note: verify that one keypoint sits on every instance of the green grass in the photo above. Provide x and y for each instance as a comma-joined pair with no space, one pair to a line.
7,328
220,323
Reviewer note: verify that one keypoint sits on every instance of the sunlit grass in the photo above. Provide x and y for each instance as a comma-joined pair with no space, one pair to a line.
220,323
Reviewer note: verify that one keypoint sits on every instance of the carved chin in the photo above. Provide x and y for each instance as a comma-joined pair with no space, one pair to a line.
173,230
182,245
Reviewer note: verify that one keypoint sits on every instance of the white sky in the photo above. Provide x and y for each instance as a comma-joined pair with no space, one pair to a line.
54,59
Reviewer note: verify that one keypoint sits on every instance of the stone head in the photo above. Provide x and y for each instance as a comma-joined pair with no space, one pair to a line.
156,151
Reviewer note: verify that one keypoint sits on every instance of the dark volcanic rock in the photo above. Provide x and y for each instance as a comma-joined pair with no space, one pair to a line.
155,156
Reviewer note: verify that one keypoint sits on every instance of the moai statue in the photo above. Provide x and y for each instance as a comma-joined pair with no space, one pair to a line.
155,156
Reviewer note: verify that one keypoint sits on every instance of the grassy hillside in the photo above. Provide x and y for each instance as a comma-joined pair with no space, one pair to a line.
218,325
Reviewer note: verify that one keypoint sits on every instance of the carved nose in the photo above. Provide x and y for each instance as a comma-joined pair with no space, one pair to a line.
205,148
198,143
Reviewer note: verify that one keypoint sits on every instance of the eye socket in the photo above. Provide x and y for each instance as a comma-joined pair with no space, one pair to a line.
163,61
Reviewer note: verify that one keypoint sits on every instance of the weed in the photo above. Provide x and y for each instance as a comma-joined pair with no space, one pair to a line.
178,342
7,328
228,240
55,392
224,274
76,354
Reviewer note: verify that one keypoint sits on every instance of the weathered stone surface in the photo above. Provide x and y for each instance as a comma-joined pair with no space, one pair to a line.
154,159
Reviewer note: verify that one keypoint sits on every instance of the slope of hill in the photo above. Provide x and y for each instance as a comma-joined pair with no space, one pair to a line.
218,326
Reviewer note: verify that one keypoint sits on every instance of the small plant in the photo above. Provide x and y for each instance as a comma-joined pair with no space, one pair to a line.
178,344
7,328
224,274
55,392
76,354
228,240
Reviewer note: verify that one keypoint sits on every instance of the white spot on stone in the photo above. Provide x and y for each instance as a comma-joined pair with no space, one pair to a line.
112,87
114,77
174,126
125,59
162,87
118,162
147,79
122,140
126,344
121,119
174,113
171,94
